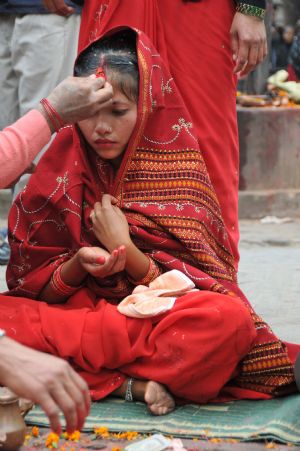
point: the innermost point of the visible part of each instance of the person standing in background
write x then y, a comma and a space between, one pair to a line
281, 46
294, 56
37, 51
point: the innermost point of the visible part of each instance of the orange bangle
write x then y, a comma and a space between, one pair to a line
153, 273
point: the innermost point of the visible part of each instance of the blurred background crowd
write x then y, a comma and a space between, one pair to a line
283, 28
285, 41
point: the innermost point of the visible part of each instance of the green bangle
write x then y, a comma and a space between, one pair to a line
251, 10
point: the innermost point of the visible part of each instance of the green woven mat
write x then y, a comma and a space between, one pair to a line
276, 419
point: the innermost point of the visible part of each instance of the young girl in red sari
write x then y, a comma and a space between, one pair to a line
132, 200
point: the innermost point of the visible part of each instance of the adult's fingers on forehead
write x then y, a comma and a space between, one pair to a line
96, 83
102, 99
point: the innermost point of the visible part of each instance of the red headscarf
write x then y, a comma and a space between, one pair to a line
193, 39
165, 192
162, 186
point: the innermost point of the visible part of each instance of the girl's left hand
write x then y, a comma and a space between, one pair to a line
110, 224
99, 263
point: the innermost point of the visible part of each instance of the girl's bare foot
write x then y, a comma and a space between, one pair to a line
155, 395
158, 399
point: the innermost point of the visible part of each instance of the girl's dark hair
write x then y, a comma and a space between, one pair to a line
116, 54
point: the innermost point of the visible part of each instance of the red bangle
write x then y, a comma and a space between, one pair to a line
59, 286
53, 115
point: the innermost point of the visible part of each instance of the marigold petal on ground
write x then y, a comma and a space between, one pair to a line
35, 432
270, 445
52, 440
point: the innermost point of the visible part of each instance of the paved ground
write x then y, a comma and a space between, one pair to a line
270, 273
270, 276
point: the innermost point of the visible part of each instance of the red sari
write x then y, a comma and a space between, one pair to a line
194, 40
211, 343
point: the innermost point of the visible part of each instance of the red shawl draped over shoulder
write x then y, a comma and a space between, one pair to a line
174, 215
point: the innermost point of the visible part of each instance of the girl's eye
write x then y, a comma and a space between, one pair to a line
119, 112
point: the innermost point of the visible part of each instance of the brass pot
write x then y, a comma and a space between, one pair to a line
12, 425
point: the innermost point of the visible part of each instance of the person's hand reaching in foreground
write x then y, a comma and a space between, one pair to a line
46, 380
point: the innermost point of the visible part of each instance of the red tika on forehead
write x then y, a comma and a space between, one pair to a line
100, 73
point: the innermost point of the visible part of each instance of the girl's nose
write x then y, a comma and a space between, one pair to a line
103, 128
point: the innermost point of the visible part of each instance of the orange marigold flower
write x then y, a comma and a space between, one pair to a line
116, 448
270, 445
26, 439
52, 440
74, 436
102, 431
131, 435
35, 431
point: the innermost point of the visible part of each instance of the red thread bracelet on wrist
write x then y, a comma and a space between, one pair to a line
49, 115
53, 115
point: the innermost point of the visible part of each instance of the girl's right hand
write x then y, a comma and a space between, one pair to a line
100, 263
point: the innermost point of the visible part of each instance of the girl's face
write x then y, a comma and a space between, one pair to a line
108, 132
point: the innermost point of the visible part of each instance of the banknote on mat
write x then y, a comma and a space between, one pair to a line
156, 442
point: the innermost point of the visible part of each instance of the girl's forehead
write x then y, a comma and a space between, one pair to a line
120, 98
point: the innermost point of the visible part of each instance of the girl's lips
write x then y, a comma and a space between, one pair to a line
104, 141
